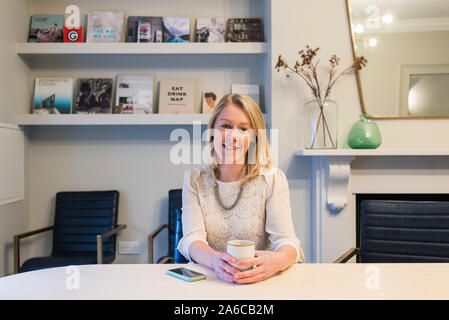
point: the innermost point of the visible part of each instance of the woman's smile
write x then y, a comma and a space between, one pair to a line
230, 147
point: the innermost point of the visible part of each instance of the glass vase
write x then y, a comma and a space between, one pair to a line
320, 127
364, 134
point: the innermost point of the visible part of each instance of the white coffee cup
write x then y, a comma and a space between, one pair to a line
241, 249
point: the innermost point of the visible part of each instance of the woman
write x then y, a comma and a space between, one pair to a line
239, 195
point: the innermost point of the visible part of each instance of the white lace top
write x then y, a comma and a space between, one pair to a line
263, 214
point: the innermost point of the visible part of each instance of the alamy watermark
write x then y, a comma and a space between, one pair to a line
228, 146
372, 280
72, 281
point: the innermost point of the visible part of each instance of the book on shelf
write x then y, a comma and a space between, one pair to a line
52, 96
244, 30
210, 100
176, 29
105, 26
93, 95
250, 90
144, 29
46, 28
176, 96
210, 29
134, 94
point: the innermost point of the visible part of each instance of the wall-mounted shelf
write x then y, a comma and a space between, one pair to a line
58, 54
29, 50
112, 119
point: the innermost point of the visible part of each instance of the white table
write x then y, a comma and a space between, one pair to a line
301, 281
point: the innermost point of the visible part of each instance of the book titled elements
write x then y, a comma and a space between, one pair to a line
105, 26
134, 94
177, 96
52, 95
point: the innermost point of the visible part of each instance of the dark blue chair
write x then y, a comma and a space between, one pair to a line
402, 231
84, 231
174, 227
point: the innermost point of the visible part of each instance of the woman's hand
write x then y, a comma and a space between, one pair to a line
267, 264
222, 268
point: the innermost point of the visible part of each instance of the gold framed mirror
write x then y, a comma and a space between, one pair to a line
407, 48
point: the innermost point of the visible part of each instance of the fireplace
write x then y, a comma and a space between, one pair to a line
338, 176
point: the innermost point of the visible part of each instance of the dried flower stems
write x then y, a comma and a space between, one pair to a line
306, 69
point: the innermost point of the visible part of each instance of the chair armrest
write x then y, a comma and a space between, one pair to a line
166, 260
151, 237
102, 236
17, 245
347, 255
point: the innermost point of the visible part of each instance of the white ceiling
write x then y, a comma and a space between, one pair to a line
403, 9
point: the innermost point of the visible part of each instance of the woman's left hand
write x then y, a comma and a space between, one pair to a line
267, 264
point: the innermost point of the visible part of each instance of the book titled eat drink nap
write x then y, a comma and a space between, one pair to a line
176, 96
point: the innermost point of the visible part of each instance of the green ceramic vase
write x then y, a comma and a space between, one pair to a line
364, 134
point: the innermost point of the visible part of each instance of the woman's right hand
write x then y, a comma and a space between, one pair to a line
222, 267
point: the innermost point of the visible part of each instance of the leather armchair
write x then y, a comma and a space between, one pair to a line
84, 231
402, 231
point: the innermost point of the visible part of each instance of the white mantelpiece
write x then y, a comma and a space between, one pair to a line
335, 163
331, 172
372, 152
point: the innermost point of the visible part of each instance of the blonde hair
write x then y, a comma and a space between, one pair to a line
264, 156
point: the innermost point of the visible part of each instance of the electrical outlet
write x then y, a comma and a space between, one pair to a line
128, 247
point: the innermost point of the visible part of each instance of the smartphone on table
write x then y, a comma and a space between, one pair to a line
186, 274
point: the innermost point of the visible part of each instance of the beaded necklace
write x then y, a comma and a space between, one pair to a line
217, 196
